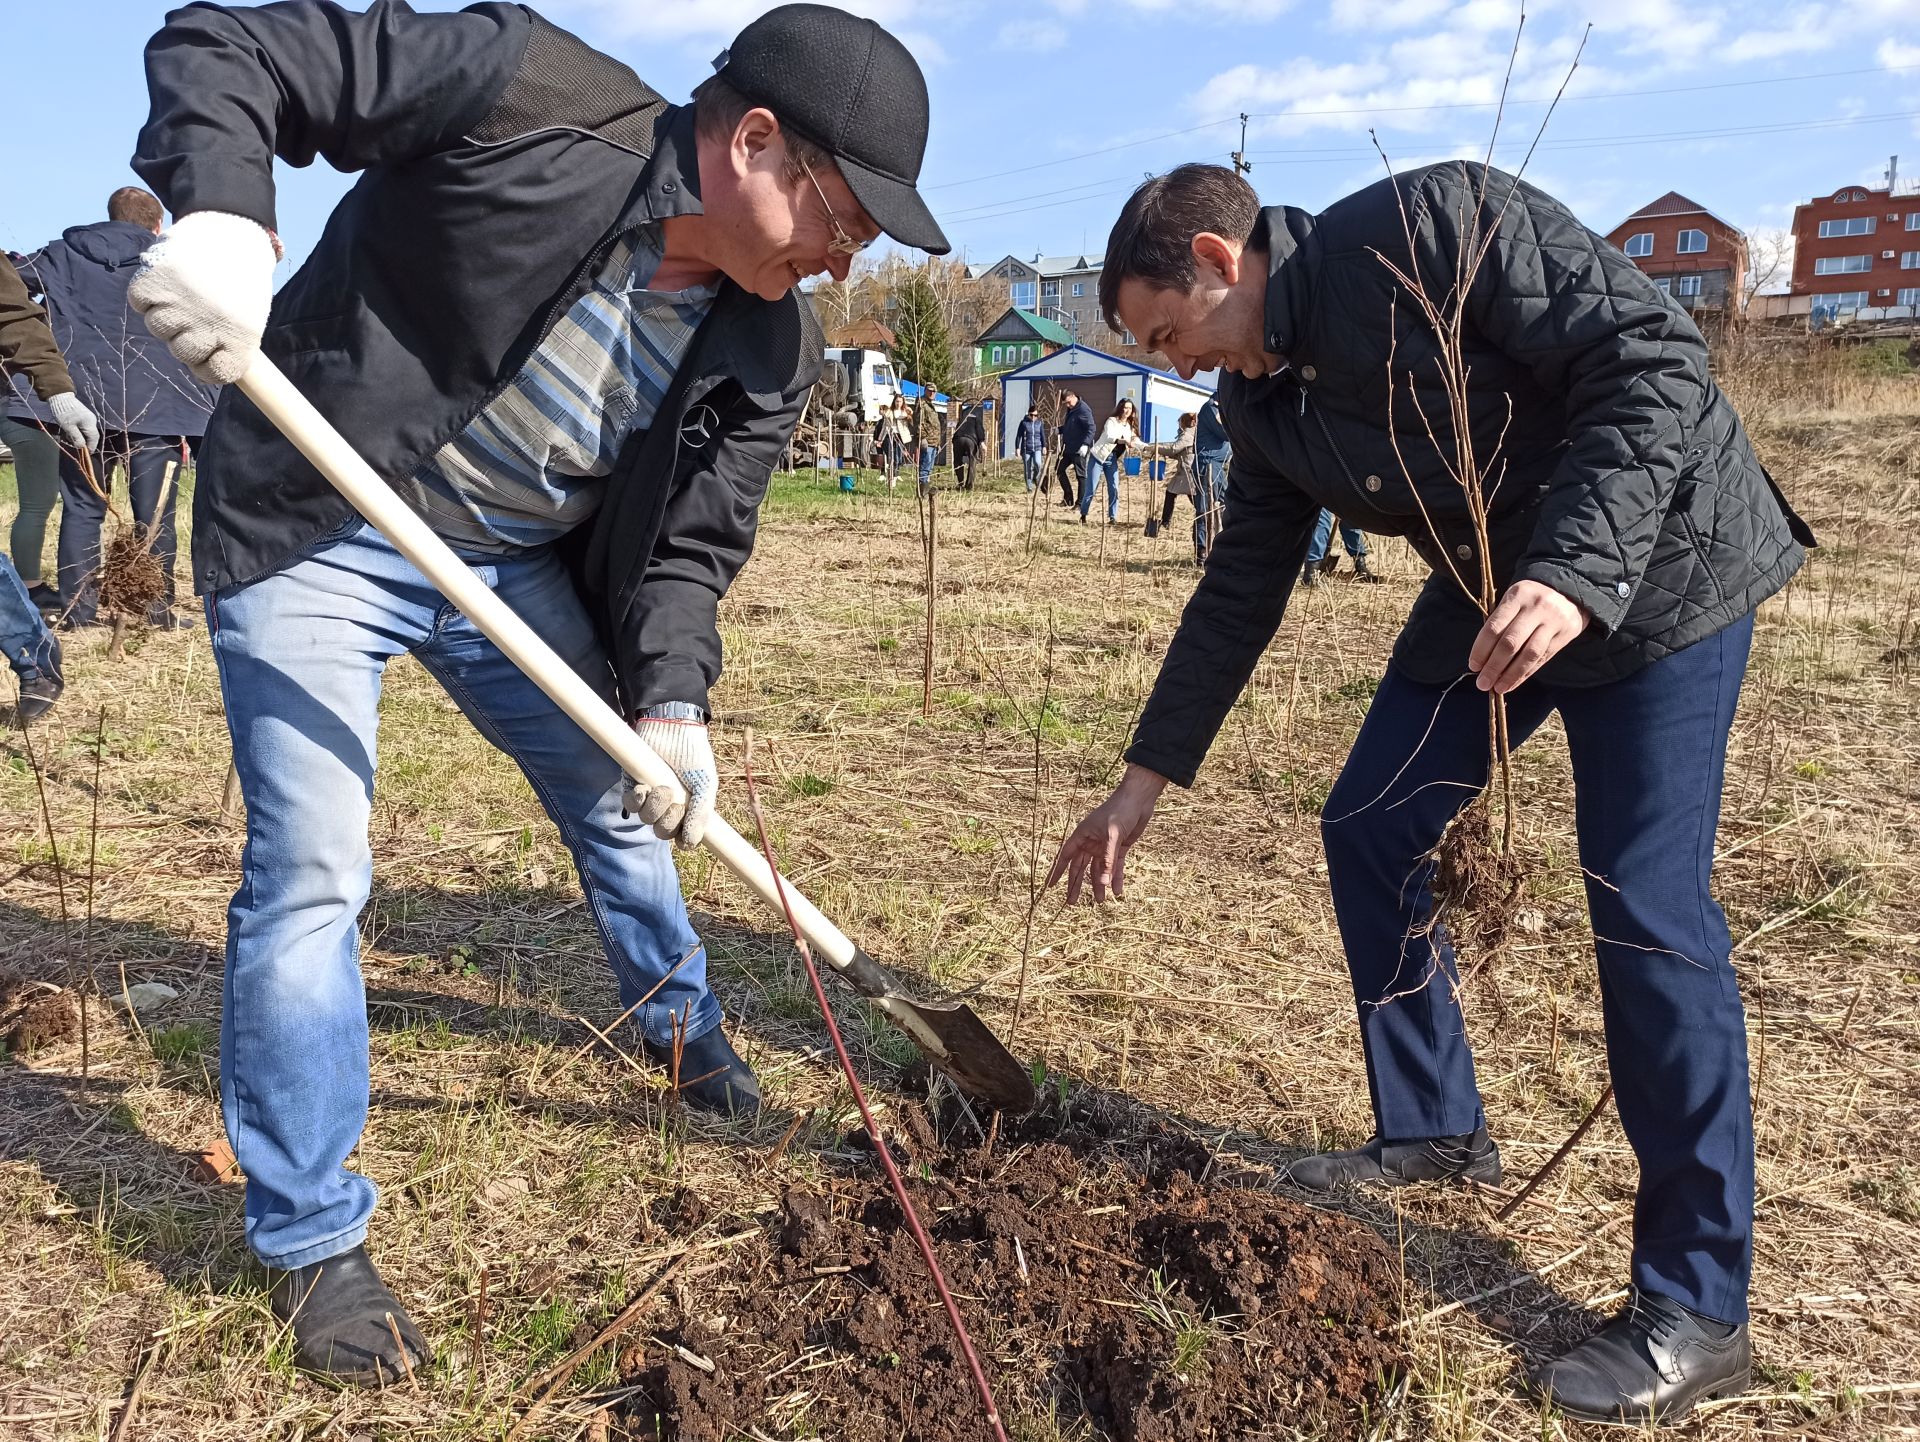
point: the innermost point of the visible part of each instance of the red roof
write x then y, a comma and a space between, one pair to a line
1674, 203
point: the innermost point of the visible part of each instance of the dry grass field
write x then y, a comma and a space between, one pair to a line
511, 1147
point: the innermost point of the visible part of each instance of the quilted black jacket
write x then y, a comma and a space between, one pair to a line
500, 159
1621, 476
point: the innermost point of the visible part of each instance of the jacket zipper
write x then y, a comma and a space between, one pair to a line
1327, 431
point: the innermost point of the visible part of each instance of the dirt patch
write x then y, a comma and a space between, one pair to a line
1103, 1293
34, 1013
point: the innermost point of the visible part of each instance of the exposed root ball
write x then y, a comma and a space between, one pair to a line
1476, 887
132, 580
33, 1014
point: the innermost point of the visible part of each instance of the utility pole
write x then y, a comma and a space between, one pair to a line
1241, 165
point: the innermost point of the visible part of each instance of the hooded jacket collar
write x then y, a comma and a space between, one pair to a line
109, 243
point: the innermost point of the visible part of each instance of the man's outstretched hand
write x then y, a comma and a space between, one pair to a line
1531, 625
1098, 846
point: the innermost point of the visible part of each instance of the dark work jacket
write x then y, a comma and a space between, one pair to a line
1032, 436
121, 370
1076, 430
502, 159
1618, 473
972, 429
1210, 442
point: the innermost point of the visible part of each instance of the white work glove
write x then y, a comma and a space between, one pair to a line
677, 732
79, 427
1083, 452
205, 290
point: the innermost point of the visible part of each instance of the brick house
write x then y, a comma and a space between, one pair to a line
1857, 248
1692, 254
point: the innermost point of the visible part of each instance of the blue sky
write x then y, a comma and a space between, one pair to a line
1046, 112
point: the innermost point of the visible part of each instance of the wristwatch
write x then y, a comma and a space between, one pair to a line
676, 711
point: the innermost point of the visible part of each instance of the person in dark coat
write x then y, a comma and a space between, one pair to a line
150, 406
1212, 454
969, 439
560, 317
1076, 440
1031, 444
1630, 538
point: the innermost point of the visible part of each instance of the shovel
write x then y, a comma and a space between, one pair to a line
950, 1036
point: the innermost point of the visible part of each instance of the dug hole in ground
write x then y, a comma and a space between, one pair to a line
1130, 1261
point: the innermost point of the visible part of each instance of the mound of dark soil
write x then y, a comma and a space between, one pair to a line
1135, 1299
33, 1014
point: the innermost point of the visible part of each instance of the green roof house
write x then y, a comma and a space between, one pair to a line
1017, 337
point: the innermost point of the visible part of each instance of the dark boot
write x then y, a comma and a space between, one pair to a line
1649, 1365
1310, 577
712, 1077
344, 1321
1153, 527
39, 691
1363, 572
1470, 1158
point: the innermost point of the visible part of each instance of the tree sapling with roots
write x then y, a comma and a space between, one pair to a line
1478, 877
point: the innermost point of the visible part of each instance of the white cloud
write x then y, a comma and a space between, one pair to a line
1678, 32
1032, 37
1812, 29
1895, 53
1378, 15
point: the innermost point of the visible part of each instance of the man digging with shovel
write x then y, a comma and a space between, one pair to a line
1632, 535
557, 315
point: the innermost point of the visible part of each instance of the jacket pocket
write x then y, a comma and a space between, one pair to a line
306, 335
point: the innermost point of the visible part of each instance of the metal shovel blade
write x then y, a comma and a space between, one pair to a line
950, 1035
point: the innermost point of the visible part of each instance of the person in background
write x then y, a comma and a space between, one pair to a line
1076, 442
892, 434
1212, 452
1031, 444
32, 354
929, 434
149, 405
969, 440
1179, 458
1115, 436
1321, 559
27, 347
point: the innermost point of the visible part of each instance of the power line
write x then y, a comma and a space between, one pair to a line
1342, 155
1407, 109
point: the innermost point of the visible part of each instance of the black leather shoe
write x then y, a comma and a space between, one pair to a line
344, 1321
1652, 1364
1363, 572
1310, 578
1469, 1158
713, 1077
38, 694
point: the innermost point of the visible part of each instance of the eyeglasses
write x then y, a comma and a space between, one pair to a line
842, 243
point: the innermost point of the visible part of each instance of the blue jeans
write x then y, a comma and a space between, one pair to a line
1209, 497
23, 635
1648, 755
927, 457
1110, 468
1030, 469
301, 654
1350, 537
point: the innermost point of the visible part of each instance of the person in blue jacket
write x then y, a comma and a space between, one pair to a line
1031, 443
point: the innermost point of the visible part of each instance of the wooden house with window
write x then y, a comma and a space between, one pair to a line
1696, 257
1017, 337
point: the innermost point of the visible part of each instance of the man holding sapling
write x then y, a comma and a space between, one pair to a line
559, 315
1631, 535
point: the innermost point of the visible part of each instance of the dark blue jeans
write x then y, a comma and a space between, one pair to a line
1648, 753
150, 490
23, 635
1350, 537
